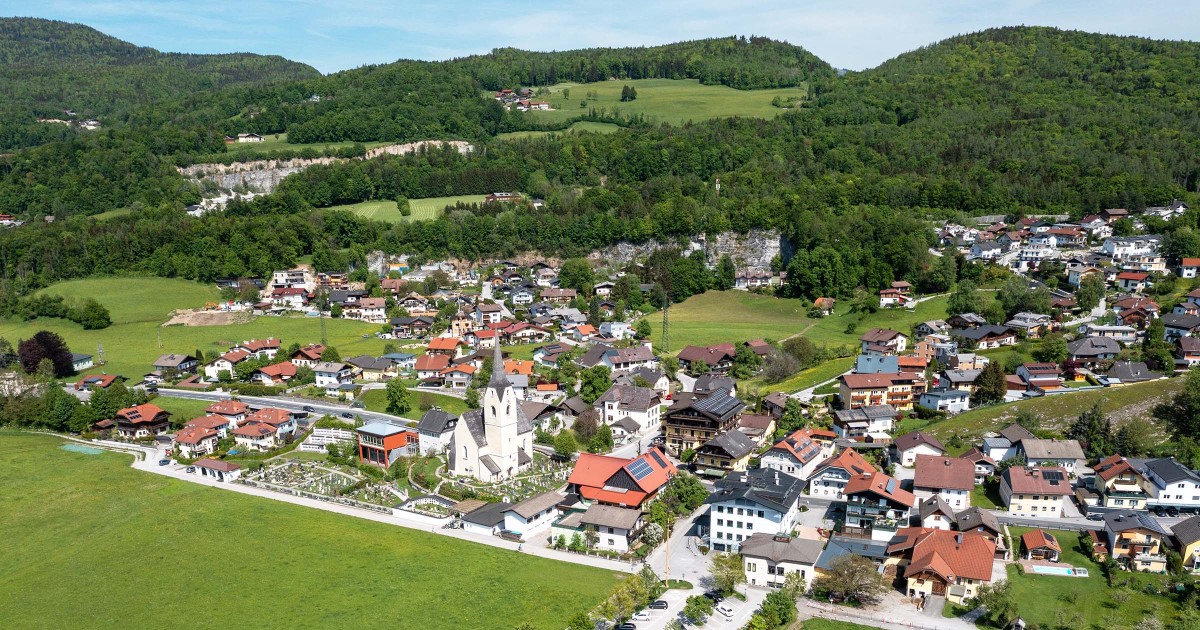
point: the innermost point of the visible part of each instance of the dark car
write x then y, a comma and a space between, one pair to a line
164, 462
309, 409
658, 604
714, 596
348, 415
1158, 511
191, 469
1172, 511
627, 626
1095, 516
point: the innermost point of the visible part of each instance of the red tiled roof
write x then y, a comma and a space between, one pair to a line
258, 345
1133, 275
518, 367
287, 369
877, 483
944, 473
235, 356
432, 363
271, 416
1037, 539
444, 343
254, 430
592, 473
850, 461
216, 464
312, 352
949, 554
227, 407
141, 413
1112, 466
1030, 480
1190, 262
192, 434
96, 380
208, 422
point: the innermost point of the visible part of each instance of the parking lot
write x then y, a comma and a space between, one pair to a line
675, 598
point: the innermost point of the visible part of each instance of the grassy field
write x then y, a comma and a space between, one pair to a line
376, 400
182, 408
807, 378
665, 100
1060, 409
422, 209
1040, 598
719, 316
111, 214
582, 126
156, 550
140, 305
830, 624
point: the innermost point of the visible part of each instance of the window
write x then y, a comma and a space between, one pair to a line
761, 514
751, 567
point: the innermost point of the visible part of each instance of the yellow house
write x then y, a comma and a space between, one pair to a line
1135, 540
1187, 539
729, 451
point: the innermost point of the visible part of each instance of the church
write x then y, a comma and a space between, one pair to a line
495, 442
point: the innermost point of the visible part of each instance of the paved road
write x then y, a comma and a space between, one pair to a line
148, 462
291, 405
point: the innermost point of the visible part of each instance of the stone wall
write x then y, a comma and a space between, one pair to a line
753, 249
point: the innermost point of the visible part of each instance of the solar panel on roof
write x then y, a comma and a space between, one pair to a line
1048, 538
1052, 475
891, 486
658, 459
640, 469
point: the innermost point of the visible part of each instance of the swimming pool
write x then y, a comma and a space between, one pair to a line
1067, 571
79, 448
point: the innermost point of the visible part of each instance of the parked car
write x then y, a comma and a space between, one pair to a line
627, 626
726, 610
308, 409
1095, 516
640, 615
714, 596
658, 604
191, 469
164, 462
348, 415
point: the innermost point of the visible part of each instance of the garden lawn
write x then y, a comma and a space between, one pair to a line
674, 101
722, 316
831, 624
156, 550
1039, 597
140, 305
376, 400
578, 127
422, 209
808, 378
182, 409
1059, 409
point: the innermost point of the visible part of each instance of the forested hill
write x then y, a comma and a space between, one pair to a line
48, 66
1054, 119
739, 62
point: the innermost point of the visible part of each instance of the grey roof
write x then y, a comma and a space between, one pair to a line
734, 443
498, 381
436, 421
866, 413
934, 505
381, 429
1015, 433
974, 518
490, 515
1122, 521
718, 405
575, 404
840, 546
1187, 532
489, 463
474, 420
762, 486
523, 457
626, 377
593, 355
536, 504
1093, 347
915, 438
947, 393
172, 360
326, 366
1039, 450
628, 424
1170, 470
709, 383
611, 516
1132, 372
629, 397
996, 442
630, 355
1181, 321
980, 332
368, 362
782, 548
962, 376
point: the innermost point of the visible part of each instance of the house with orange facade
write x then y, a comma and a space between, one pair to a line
382, 444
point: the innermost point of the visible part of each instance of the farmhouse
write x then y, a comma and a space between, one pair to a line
141, 421
619, 481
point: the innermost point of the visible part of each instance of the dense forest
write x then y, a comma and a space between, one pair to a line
47, 67
1007, 121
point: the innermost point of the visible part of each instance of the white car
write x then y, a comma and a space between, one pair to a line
641, 615
726, 610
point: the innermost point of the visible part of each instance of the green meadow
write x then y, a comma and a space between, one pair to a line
91, 542
664, 100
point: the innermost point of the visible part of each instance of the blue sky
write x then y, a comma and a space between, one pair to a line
336, 35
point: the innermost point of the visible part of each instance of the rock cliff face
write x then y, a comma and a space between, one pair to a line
754, 249
262, 176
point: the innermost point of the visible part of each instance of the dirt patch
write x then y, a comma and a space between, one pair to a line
207, 318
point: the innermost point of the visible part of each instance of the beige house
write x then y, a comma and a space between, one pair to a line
1035, 490
769, 558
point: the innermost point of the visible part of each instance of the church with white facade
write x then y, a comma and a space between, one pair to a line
495, 442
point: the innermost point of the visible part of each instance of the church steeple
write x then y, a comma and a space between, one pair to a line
499, 380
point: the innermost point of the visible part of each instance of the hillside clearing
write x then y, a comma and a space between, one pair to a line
664, 100
422, 209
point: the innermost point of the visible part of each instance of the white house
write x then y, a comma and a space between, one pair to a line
950, 478
768, 559
1121, 247
1063, 453
800, 453
1188, 267
1035, 491
830, 477
616, 330
949, 401
752, 501
641, 404
331, 375
225, 363
434, 431
1170, 484
532, 514
907, 447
